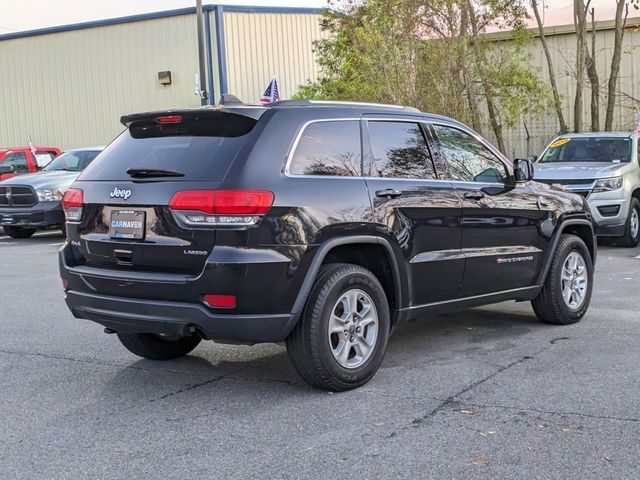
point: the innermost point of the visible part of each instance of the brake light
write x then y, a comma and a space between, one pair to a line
169, 119
72, 204
220, 301
221, 207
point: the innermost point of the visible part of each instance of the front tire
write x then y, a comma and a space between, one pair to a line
19, 232
631, 236
340, 340
155, 347
566, 294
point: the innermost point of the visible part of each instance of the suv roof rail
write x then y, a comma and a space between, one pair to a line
344, 103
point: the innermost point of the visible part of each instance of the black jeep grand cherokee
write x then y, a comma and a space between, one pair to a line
320, 224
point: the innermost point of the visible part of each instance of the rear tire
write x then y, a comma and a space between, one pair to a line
155, 347
340, 340
565, 296
19, 232
631, 236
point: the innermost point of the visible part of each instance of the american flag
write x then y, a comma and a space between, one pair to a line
271, 94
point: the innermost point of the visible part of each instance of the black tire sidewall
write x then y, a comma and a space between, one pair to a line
19, 232
633, 241
573, 245
309, 346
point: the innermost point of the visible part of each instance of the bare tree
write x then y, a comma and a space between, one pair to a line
592, 70
622, 12
494, 120
580, 21
552, 76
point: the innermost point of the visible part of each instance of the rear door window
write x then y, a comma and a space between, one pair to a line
18, 160
400, 150
200, 148
328, 148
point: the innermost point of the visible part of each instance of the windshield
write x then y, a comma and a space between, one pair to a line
588, 149
74, 161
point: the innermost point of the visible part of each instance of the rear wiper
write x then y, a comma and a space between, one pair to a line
152, 172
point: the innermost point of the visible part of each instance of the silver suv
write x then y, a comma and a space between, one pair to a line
604, 168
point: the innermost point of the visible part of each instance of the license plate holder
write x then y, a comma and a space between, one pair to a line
127, 224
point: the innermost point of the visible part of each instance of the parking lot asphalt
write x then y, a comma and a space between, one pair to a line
484, 393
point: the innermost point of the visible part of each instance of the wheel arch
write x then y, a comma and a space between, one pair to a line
582, 228
344, 249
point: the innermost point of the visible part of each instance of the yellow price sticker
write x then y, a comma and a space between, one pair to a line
560, 142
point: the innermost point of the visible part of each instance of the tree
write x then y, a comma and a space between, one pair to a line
557, 102
579, 16
622, 12
432, 54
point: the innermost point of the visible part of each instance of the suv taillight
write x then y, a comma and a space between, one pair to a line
221, 207
72, 204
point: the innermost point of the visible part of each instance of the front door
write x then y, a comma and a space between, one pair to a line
418, 212
501, 239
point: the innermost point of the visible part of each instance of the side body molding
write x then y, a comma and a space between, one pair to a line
322, 252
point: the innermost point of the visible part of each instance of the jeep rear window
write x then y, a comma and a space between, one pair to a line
328, 148
201, 148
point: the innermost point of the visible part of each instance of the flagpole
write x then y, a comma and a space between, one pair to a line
201, 60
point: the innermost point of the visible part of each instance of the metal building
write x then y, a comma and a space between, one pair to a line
68, 86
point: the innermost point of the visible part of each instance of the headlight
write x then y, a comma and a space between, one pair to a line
608, 184
49, 195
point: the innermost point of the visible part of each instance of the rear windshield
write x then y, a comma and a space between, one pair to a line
589, 149
198, 148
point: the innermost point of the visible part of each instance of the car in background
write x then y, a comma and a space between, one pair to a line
21, 160
32, 202
604, 168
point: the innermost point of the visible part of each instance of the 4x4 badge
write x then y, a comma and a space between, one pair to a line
120, 193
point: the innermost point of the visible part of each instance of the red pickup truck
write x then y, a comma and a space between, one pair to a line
19, 160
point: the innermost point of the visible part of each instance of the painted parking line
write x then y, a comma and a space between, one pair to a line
8, 243
58, 244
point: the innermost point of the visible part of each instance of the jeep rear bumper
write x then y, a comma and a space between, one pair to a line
175, 318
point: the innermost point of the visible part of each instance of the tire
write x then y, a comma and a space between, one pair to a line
154, 347
19, 232
631, 236
315, 353
550, 305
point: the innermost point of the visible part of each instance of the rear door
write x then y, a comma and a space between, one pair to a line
127, 222
418, 211
501, 235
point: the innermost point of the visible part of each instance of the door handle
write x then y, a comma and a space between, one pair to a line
389, 193
473, 195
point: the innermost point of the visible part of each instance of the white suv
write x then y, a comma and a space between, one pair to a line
604, 168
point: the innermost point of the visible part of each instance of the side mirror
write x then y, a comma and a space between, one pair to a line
4, 169
522, 170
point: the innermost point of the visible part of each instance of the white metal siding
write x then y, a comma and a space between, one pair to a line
70, 88
260, 45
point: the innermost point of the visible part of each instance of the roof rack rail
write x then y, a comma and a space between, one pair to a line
344, 103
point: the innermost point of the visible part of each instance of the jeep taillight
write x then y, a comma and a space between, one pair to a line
72, 204
221, 207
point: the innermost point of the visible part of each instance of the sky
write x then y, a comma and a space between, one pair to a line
19, 15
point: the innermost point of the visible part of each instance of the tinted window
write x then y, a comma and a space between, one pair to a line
469, 159
18, 160
589, 149
328, 148
400, 150
199, 148
74, 161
